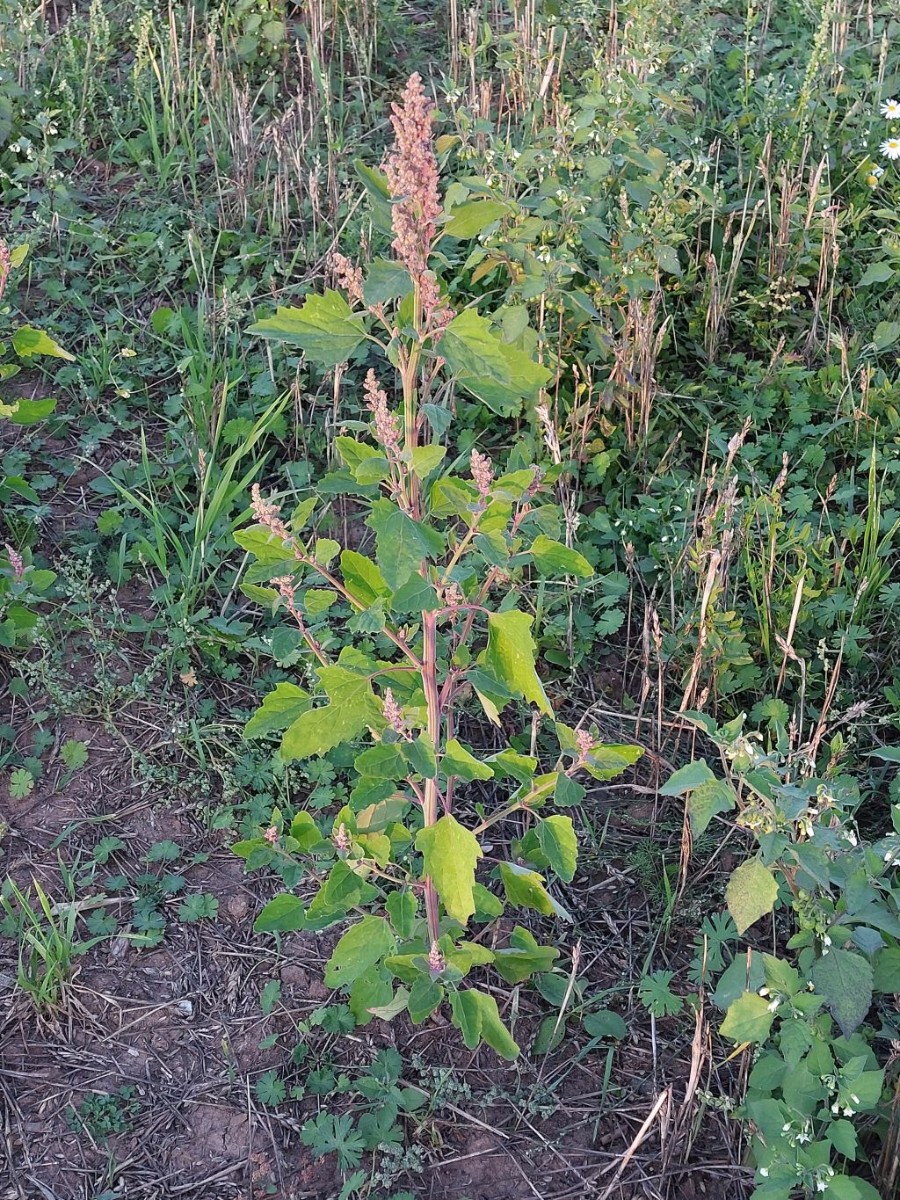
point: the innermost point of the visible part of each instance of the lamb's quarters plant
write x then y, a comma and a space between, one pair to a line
816, 1085
433, 623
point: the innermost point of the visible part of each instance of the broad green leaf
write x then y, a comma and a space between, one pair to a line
384, 761
554, 559
877, 272
417, 595
842, 1136
467, 220
373, 989
361, 947
523, 957
402, 543
748, 1019
325, 550
279, 709
401, 908
29, 412
886, 334
887, 971
500, 375
18, 254
284, 914
477, 1017
362, 579
262, 544
704, 802
341, 891
451, 853
353, 705
845, 980
463, 764
426, 458
607, 762
27, 341
751, 893
421, 756
526, 889
325, 329
510, 657
686, 778
847, 1187
385, 281
556, 837
604, 1024
424, 997
305, 831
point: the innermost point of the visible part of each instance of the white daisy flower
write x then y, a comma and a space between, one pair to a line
891, 110
890, 148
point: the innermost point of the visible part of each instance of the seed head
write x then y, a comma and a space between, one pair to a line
16, 562
436, 960
482, 473
5, 264
387, 424
349, 277
268, 514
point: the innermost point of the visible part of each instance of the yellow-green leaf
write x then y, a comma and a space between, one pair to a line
750, 894
451, 853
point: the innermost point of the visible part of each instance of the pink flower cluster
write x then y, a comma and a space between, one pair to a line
412, 174
387, 424
482, 473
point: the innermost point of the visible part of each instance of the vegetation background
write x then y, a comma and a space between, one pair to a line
687, 215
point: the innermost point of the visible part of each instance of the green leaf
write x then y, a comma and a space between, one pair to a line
279, 709
500, 375
385, 281
526, 889
686, 778
29, 412
363, 580
748, 1019
842, 1136
451, 853
284, 914
401, 908
606, 762
426, 459
27, 341
510, 656
846, 1187
523, 957
556, 837
706, 801
270, 1088
421, 756
877, 272
402, 543
424, 997
196, 907
460, 762
657, 996
605, 1024
353, 705
360, 948
269, 996
887, 971
371, 989
477, 1017
846, 981
553, 559
886, 334
750, 894
469, 219
74, 754
325, 329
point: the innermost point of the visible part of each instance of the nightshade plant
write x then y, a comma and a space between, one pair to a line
434, 624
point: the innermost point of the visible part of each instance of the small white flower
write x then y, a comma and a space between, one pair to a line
786, 1128
821, 1186
855, 1099
891, 110
827, 940
890, 148
773, 1005
764, 1171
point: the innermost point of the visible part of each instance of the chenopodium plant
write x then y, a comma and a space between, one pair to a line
434, 625
816, 1083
